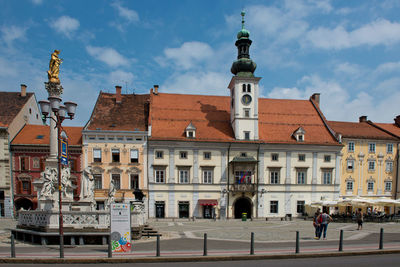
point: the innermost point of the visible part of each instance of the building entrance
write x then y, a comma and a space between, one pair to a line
160, 209
24, 203
242, 205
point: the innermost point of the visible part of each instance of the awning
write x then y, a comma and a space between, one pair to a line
208, 202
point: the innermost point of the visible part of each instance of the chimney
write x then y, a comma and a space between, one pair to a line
23, 90
363, 119
156, 89
118, 98
315, 97
397, 120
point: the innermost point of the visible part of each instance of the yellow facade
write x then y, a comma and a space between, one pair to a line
368, 168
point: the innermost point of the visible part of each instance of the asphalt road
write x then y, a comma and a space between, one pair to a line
386, 260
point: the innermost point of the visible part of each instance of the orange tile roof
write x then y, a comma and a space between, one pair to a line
10, 105
129, 115
390, 127
40, 135
361, 130
170, 114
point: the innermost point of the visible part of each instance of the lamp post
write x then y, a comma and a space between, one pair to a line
58, 114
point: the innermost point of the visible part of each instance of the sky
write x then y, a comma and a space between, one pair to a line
348, 51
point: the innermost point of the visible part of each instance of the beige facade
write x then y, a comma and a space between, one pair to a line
117, 156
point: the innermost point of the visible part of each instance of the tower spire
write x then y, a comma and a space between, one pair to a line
243, 66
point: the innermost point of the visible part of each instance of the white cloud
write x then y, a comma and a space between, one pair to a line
126, 13
348, 69
121, 77
212, 83
188, 55
388, 67
65, 25
11, 33
379, 32
107, 55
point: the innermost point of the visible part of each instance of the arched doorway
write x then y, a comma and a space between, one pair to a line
24, 203
242, 205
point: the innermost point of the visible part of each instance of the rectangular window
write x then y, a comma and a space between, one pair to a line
389, 166
275, 157
36, 163
183, 154
26, 186
371, 147
207, 176
350, 147
327, 177
207, 155
388, 186
301, 176
274, 177
134, 156
349, 186
97, 155
273, 206
159, 154
116, 180
370, 186
24, 163
98, 183
246, 112
246, 135
160, 176
300, 206
389, 148
243, 177
302, 157
115, 154
327, 158
184, 176
134, 181
371, 165
350, 164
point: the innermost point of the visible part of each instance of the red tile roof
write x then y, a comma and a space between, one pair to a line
40, 135
129, 115
11, 104
390, 127
361, 130
278, 119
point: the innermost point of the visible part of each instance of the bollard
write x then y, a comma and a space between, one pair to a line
297, 242
109, 247
381, 239
252, 244
205, 245
341, 241
158, 246
12, 245
61, 246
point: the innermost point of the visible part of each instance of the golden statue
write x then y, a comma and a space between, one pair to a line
54, 67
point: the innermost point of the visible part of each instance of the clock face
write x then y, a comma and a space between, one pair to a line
246, 99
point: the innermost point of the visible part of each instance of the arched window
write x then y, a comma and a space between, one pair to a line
244, 88
249, 88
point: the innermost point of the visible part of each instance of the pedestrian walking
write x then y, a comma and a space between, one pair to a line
315, 223
360, 219
323, 220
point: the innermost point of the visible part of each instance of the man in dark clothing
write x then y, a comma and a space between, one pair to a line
315, 223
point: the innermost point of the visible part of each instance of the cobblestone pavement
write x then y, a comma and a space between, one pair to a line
236, 230
266, 231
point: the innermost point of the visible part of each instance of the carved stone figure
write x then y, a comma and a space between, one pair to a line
54, 67
49, 178
111, 194
87, 184
67, 187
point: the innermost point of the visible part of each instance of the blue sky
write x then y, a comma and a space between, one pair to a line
349, 51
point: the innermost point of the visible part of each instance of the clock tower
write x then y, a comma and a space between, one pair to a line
244, 90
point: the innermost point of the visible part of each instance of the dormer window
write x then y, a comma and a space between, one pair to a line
299, 134
190, 131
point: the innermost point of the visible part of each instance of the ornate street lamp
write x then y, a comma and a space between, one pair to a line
60, 114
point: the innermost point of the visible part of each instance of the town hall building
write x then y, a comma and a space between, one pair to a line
222, 156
